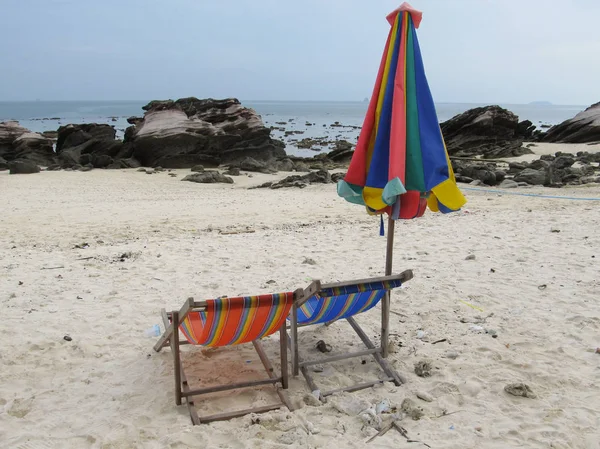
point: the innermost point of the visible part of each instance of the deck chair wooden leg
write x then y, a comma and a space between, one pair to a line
387, 369
294, 340
283, 348
176, 357
385, 324
271, 372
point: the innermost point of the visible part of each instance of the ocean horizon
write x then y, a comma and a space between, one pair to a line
310, 118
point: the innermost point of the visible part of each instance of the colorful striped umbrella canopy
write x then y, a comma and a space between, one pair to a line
400, 164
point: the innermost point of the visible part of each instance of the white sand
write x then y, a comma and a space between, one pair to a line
108, 389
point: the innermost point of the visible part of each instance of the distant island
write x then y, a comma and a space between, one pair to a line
540, 103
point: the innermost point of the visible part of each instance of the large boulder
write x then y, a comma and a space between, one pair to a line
18, 143
207, 132
342, 151
208, 177
22, 167
490, 131
531, 176
93, 143
583, 128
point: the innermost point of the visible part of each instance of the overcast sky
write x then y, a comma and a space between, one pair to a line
486, 51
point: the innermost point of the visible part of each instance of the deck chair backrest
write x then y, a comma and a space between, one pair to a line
331, 304
232, 321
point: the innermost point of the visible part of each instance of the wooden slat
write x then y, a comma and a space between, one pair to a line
398, 380
336, 358
357, 386
309, 380
216, 388
230, 415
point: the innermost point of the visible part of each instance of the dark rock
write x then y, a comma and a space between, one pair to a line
186, 161
251, 164
222, 131
90, 143
54, 167
22, 167
87, 167
301, 181
490, 131
101, 161
284, 165
508, 184
135, 120
233, 171
208, 177
197, 168
74, 135
583, 128
563, 162
336, 177
483, 172
342, 151
531, 176
525, 129
464, 179
500, 176
3, 164
301, 167
539, 164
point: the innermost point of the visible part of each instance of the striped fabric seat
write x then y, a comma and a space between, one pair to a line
231, 321
336, 303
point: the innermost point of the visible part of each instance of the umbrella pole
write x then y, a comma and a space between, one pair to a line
385, 305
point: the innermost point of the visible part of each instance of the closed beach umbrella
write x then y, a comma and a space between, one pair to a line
400, 165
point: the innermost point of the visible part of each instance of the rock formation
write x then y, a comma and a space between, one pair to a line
583, 128
189, 131
490, 131
18, 143
92, 145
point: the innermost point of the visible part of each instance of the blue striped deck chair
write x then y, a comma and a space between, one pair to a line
327, 303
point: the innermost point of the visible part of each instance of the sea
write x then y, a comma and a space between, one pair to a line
312, 119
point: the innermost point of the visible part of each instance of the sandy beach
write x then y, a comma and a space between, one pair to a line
95, 256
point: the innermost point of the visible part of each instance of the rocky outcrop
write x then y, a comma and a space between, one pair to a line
489, 131
583, 128
94, 144
301, 181
18, 143
208, 177
189, 131
22, 167
550, 171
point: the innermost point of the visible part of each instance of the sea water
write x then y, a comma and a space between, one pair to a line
310, 118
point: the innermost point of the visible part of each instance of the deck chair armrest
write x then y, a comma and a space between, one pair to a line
302, 295
170, 329
405, 276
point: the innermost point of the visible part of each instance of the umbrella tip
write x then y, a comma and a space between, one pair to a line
415, 14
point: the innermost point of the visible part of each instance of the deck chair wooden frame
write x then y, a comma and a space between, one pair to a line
300, 365
182, 389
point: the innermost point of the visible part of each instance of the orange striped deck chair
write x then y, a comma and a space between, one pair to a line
328, 303
225, 322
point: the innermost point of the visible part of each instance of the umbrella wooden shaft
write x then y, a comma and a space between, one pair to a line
385, 305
